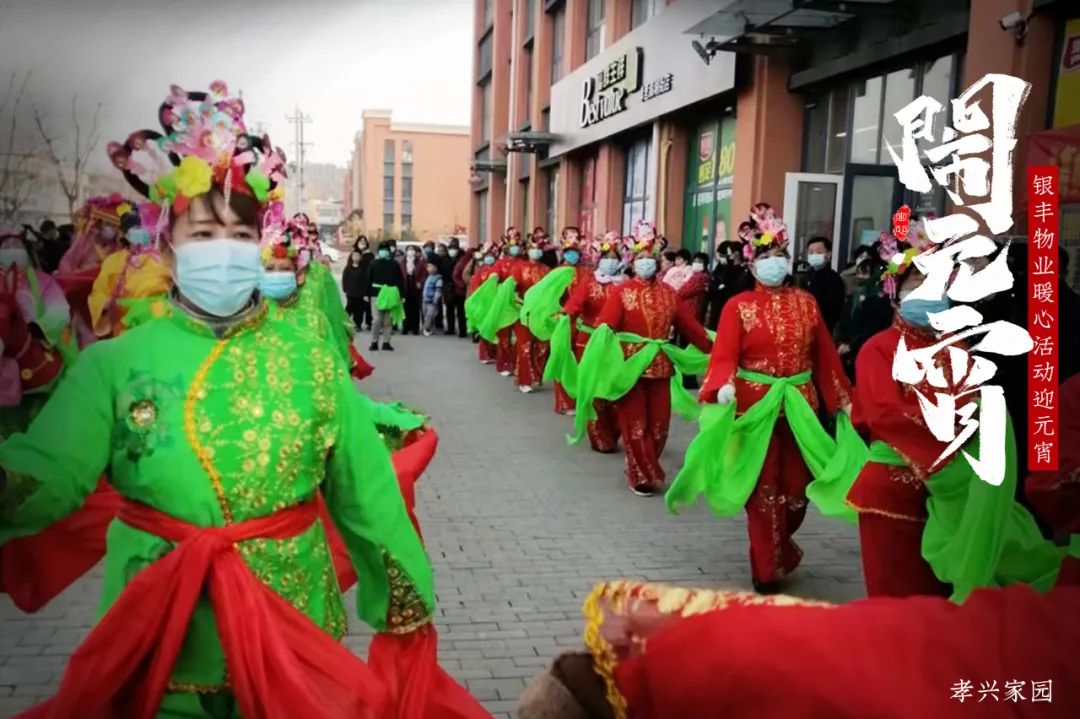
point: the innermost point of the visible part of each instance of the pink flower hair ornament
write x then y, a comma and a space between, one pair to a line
763, 229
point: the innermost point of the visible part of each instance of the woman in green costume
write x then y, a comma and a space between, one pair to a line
218, 425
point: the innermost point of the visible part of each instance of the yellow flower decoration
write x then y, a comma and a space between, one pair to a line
193, 177
123, 209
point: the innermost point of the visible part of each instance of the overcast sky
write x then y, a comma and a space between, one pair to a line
332, 57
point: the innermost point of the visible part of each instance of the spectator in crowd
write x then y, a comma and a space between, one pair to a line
386, 276
866, 311
356, 283
730, 277
458, 289
863, 254
667, 262
693, 293
414, 270
679, 273
448, 255
362, 245
824, 283
433, 297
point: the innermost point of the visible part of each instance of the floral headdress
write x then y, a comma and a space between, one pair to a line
570, 239
644, 240
538, 239
611, 241
204, 144
279, 239
105, 209
763, 229
898, 256
512, 236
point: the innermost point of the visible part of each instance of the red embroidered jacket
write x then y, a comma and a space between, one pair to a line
587, 297
652, 309
778, 332
889, 411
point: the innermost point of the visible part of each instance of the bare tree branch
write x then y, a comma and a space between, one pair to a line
71, 186
17, 180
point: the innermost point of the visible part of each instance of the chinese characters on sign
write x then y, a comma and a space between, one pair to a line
1043, 316
657, 87
1012, 691
972, 161
607, 93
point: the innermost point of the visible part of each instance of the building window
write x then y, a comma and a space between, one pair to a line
388, 186
530, 19
483, 63
481, 217
594, 29
637, 205
587, 198
866, 120
558, 43
406, 152
388, 223
640, 11
388, 156
489, 12
485, 112
528, 62
552, 197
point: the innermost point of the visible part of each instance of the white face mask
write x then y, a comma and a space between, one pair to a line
218, 276
14, 256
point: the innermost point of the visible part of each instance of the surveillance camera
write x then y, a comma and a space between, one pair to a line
703, 53
1011, 21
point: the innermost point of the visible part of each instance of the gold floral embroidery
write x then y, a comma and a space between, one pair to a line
884, 513
748, 316
407, 611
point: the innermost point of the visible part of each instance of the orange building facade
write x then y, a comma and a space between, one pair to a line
598, 113
409, 180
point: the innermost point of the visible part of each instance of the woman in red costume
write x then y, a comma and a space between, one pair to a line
650, 309
662, 652
530, 354
489, 257
571, 257
891, 499
588, 296
506, 267
770, 335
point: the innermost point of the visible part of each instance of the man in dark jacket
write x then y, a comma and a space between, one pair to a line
385, 272
460, 288
730, 277
824, 283
448, 257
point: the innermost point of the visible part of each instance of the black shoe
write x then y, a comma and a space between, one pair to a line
476, 339
386, 346
374, 347
463, 336
772, 587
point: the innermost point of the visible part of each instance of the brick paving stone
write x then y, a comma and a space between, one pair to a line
519, 527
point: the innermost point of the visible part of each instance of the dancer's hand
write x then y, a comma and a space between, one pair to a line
846, 409
726, 395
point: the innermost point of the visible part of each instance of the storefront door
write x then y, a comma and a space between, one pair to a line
872, 193
812, 209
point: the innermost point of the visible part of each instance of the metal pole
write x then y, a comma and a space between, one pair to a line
298, 120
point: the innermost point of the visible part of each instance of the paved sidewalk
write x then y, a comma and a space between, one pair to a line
519, 527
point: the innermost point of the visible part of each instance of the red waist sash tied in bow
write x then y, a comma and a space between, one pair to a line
280, 663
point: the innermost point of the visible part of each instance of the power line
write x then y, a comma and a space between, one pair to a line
298, 120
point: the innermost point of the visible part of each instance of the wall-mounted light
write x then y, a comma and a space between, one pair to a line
707, 51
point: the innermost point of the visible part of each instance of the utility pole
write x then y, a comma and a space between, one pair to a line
298, 120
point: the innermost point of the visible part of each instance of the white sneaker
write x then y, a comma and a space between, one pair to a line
525, 389
570, 412
428, 333
505, 373
487, 361
642, 492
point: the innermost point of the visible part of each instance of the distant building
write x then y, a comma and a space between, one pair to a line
327, 215
408, 179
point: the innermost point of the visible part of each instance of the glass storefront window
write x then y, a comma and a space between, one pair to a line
899, 91
937, 82
817, 135
636, 200
481, 219
587, 198
552, 197
836, 152
866, 121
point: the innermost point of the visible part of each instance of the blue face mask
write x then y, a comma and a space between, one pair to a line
278, 285
610, 266
645, 268
916, 312
816, 261
571, 257
14, 256
138, 237
489, 260
535, 254
384, 254
771, 271
218, 276
514, 250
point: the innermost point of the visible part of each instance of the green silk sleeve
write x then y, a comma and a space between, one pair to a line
341, 327
49, 469
396, 590
543, 302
